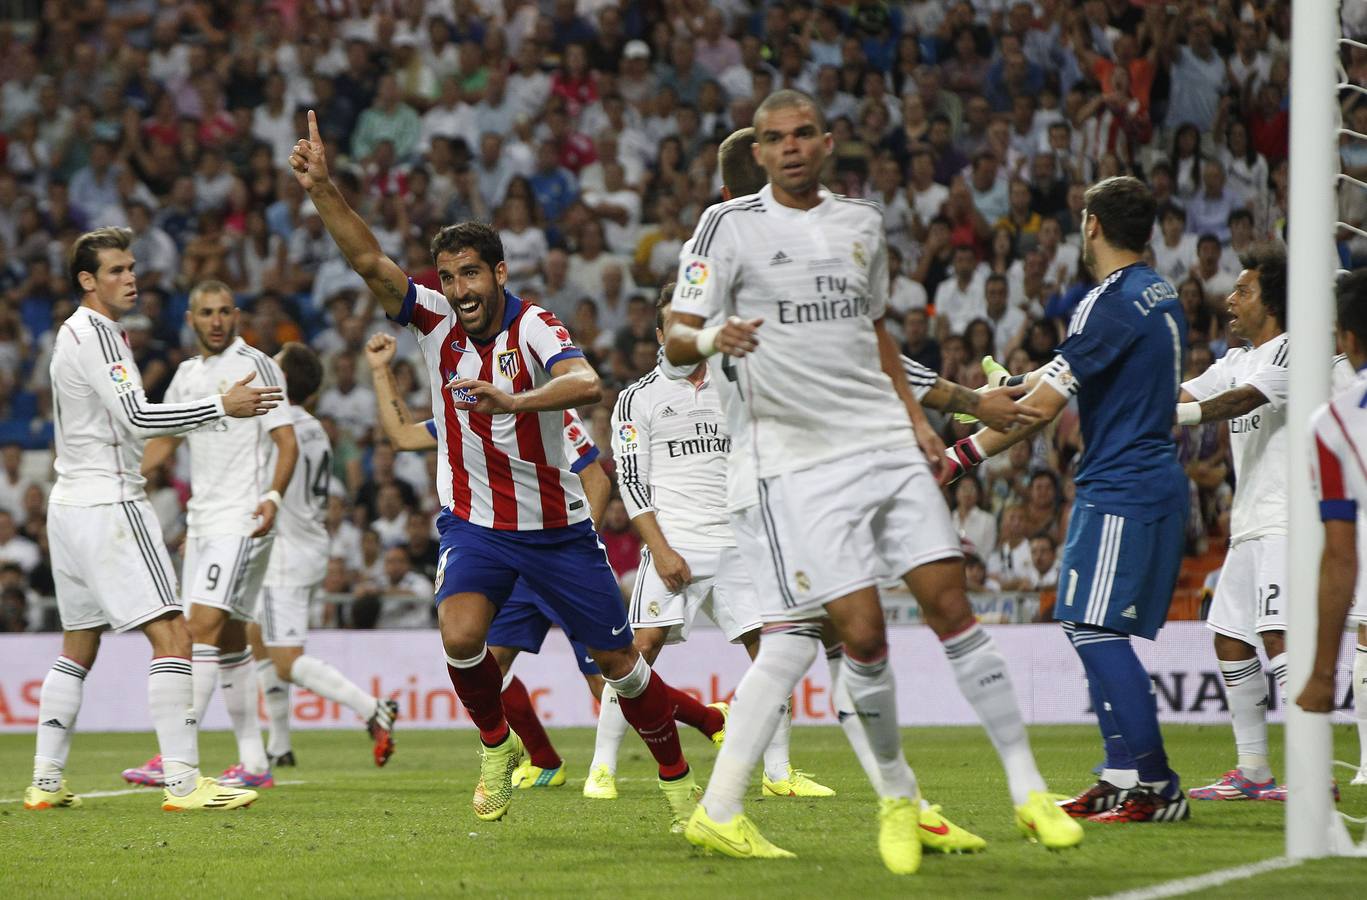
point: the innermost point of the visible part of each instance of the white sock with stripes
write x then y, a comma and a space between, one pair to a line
874, 693
204, 668
170, 692
1360, 701
1246, 693
784, 657
1277, 665
612, 728
313, 674
849, 719
985, 683
58, 704
276, 693
238, 678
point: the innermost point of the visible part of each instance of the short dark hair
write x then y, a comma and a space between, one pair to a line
1171, 209
1207, 238
1124, 207
787, 99
995, 277
662, 303
1238, 214
477, 236
85, 252
1352, 304
739, 171
303, 371
1269, 261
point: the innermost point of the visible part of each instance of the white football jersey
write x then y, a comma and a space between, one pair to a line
741, 489
1258, 439
813, 390
230, 460
671, 443
102, 417
299, 557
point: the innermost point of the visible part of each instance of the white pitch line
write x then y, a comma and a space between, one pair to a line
125, 792
1209, 880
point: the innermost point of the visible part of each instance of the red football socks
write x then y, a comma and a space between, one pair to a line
478, 688
522, 718
652, 715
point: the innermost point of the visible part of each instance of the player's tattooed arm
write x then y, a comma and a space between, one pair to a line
354, 238
1232, 404
996, 408
395, 417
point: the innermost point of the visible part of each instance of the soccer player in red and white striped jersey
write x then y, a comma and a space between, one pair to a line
502, 371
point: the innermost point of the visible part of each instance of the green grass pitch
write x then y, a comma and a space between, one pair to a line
349, 829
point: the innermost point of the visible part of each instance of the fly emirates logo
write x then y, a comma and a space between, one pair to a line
831, 304
707, 439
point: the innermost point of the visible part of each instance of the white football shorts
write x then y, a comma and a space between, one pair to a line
721, 587
110, 565
823, 532
225, 572
283, 613
1250, 595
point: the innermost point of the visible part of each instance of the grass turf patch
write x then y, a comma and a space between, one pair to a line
407, 829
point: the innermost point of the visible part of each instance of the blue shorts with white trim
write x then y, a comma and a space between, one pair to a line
1118, 572
566, 568
523, 622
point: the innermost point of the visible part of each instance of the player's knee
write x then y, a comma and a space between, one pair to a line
616, 664
866, 643
1274, 642
649, 641
462, 645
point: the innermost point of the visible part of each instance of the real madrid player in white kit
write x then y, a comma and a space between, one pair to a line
846, 491
671, 442
1340, 470
109, 561
238, 472
1247, 387
298, 562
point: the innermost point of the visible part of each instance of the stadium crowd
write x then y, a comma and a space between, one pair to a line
588, 133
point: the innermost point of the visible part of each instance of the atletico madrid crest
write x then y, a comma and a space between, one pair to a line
509, 364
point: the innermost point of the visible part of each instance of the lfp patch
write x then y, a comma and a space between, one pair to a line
117, 373
627, 433
695, 273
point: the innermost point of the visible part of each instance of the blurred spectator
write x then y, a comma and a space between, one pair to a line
14, 547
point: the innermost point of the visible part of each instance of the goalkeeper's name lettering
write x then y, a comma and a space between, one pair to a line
790, 313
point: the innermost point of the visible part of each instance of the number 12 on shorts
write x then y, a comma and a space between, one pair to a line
1265, 598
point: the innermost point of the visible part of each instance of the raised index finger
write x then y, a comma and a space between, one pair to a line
314, 137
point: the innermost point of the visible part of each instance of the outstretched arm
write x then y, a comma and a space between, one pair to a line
354, 238
1228, 404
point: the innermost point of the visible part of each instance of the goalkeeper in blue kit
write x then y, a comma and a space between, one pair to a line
1122, 361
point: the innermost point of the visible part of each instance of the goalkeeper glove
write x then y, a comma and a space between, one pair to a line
964, 455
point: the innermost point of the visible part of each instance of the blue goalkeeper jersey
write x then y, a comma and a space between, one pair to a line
1125, 348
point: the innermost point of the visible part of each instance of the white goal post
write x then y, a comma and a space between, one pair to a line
1312, 212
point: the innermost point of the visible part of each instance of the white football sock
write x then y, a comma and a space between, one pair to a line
313, 674
276, 692
776, 760
170, 694
783, 658
985, 683
237, 676
1360, 701
612, 728
849, 720
204, 666
59, 702
1246, 693
874, 693
1277, 665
